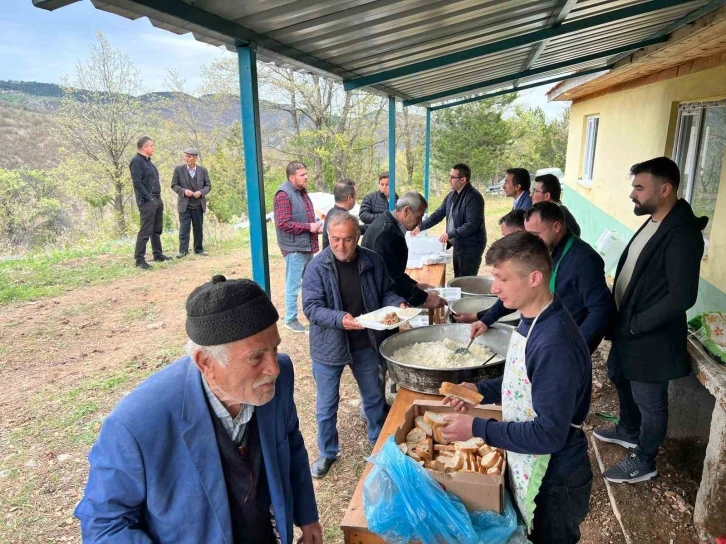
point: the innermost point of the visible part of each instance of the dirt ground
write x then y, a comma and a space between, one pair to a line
65, 362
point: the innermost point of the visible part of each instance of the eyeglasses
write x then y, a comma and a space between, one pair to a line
456, 177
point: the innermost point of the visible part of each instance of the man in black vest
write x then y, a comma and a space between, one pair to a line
655, 284
463, 209
145, 178
297, 235
387, 237
191, 182
377, 202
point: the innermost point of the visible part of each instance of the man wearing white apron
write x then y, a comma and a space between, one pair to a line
545, 396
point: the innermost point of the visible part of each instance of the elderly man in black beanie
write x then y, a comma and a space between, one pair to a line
209, 448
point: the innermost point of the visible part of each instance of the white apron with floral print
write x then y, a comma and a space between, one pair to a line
525, 470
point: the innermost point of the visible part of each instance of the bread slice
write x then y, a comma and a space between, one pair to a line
484, 450
423, 454
460, 392
413, 455
490, 459
478, 441
425, 427
435, 418
416, 435
442, 447
403, 447
467, 447
438, 438
494, 470
455, 463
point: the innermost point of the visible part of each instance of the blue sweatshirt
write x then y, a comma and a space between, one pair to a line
580, 285
558, 366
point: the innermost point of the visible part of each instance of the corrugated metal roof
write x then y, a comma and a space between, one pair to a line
350, 39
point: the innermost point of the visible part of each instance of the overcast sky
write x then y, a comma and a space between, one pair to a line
39, 45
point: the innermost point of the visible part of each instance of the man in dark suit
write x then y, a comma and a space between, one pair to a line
547, 188
655, 284
516, 185
387, 237
463, 209
145, 178
191, 183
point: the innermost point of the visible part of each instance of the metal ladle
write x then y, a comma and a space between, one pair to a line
465, 351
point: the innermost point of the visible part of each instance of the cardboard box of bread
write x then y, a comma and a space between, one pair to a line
471, 470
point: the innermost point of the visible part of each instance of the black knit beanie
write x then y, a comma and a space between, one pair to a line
221, 311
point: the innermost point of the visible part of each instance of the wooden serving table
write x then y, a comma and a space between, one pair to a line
433, 274
354, 524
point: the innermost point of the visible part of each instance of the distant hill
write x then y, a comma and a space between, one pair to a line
27, 109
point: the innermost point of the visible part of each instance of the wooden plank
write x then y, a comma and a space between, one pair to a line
354, 524
433, 274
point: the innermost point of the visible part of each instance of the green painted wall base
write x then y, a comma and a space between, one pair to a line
593, 221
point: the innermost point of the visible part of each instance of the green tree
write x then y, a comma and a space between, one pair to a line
99, 125
31, 208
536, 141
476, 134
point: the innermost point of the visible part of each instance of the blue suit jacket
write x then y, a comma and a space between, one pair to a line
525, 202
156, 474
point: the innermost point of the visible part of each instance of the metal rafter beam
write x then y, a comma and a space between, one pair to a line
533, 72
273, 48
510, 43
521, 88
51, 5
559, 14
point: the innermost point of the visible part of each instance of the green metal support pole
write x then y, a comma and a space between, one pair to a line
427, 154
392, 152
247, 60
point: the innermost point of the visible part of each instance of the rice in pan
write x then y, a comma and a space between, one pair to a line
442, 354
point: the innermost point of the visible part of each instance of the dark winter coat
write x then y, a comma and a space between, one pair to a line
323, 305
649, 328
384, 236
374, 204
464, 213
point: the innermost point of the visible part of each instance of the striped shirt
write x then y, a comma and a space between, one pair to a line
235, 427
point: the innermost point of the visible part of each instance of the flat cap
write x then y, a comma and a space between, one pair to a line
191, 151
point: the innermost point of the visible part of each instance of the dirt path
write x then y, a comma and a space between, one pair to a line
65, 362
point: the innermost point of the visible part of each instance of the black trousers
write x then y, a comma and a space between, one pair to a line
467, 264
561, 505
193, 217
643, 410
151, 225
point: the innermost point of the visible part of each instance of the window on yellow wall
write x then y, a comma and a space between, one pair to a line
593, 121
699, 151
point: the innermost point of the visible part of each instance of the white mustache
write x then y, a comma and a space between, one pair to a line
264, 381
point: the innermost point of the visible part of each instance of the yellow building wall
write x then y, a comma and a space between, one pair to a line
635, 125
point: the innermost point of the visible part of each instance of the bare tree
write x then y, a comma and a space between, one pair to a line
99, 119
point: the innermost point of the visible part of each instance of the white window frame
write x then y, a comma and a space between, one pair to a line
695, 110
588, 164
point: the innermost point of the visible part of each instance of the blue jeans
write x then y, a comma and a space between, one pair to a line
365, 370
643, 410
295, 264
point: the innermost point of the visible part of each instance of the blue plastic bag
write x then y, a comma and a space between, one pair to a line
402, 502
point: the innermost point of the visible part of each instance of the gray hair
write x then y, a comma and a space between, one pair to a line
341, 216
413, 200
219, 353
